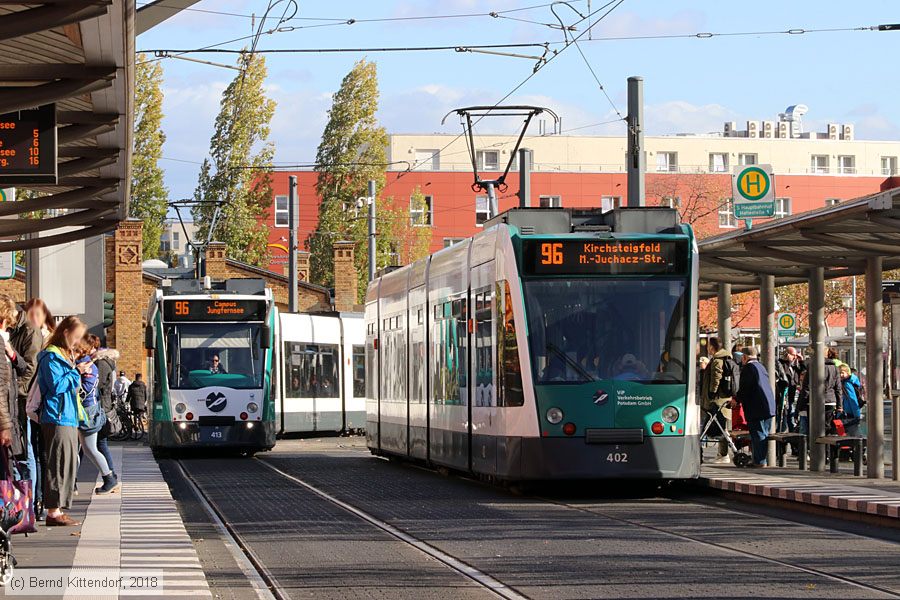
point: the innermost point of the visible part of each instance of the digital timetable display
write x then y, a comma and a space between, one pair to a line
214, 310
605, 257
28, 146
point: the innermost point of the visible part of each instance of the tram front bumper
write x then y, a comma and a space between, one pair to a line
250, 435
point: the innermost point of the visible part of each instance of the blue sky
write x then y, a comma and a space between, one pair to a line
691, 85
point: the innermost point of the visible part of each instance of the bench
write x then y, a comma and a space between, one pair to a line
835, 442
797, 440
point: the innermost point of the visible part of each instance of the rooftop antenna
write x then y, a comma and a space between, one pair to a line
527, 113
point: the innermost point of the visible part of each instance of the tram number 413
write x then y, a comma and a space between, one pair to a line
617, 457
551, 254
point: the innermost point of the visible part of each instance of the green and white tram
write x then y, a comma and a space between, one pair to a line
555, 344
212, 377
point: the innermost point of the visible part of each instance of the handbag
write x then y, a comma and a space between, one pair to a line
17, 497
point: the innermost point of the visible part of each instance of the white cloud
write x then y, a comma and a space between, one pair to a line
679, 116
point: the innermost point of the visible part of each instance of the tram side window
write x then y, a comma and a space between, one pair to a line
417, 358
359, 371
509, 370
484, 350
311, 369
449, 352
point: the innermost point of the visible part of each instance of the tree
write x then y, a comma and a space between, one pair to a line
149, 196
237, 175
697, 197
352, 152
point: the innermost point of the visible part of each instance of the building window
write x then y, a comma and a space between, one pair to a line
889, 165
718, 162
667, 162
670, 201
747, 159
482, 210
281, 212
846, 165
726, 214
176, 241
423, 214
550, 201
165, 245
488, 160
451, 241
832, 201
782, 208
428, 160
818, 163
607, 203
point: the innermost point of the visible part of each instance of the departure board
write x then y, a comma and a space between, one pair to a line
605, 257
28, 146
213, 310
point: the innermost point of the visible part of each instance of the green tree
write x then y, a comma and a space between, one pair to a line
352, 151
149, 196
404, 229
237, 175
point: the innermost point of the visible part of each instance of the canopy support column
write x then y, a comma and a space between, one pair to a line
769, 341
724, 316
875, 369
816, 382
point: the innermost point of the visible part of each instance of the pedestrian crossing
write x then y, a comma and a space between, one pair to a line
139, 530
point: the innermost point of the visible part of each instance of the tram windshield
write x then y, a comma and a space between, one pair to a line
582, 330
224, 354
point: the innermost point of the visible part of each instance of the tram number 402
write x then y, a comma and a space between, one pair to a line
617, 457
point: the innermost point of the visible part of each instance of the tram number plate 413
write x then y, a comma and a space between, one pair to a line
617, 457
212, 434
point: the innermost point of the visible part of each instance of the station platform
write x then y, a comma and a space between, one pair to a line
136, 530
842, 491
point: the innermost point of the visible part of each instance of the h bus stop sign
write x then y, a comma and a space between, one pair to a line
753, 191
787, 325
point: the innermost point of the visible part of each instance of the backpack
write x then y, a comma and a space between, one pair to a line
731, 375
860, 394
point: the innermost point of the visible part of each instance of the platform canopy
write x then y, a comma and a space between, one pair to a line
838, 238
78, 54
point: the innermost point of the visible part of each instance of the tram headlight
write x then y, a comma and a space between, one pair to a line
555, 416
180, 407
670, 414
252, 407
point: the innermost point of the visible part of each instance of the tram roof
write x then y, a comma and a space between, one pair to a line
839, 238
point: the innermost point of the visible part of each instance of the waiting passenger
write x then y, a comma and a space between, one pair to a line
629, 368
849, 409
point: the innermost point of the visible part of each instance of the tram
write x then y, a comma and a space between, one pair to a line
555, 344
212, 345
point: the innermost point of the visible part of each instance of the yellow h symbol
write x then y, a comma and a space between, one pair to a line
753, 180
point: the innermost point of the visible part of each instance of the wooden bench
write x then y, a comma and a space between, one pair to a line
835, 442
797, 440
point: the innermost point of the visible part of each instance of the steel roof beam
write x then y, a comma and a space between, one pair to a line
80, 165
61, 238
73, 198
85, 117
798, 258
82, 217
763, 269
870, 248
49, 16
87, 152
21, 98
76, 133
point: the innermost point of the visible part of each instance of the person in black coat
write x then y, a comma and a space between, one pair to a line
756, 397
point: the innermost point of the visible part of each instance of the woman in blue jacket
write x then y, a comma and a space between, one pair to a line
61, 412
849, 407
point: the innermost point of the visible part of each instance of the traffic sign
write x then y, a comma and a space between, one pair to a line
7, 259
753, 191
787, 325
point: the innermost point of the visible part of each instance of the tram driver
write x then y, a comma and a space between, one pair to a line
215, 367
629, 368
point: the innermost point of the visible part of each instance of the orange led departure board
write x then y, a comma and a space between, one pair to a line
28, 146
605, 257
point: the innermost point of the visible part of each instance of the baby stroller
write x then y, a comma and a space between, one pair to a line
740, 458
10, 516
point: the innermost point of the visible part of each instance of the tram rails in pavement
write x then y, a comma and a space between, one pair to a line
555, 344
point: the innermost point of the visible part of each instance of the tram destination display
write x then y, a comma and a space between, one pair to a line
213, 310
605, 257
28, 149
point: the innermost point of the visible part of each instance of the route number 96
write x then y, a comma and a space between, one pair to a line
617, 457
551, 253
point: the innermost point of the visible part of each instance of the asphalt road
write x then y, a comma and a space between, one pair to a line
563, 542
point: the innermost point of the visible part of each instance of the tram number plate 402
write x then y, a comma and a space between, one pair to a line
212, 434
617, 457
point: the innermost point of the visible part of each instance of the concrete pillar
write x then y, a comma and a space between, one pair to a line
215, 261
345, 279
129, 301
724, 315
875, 369
769, 342
816, 367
